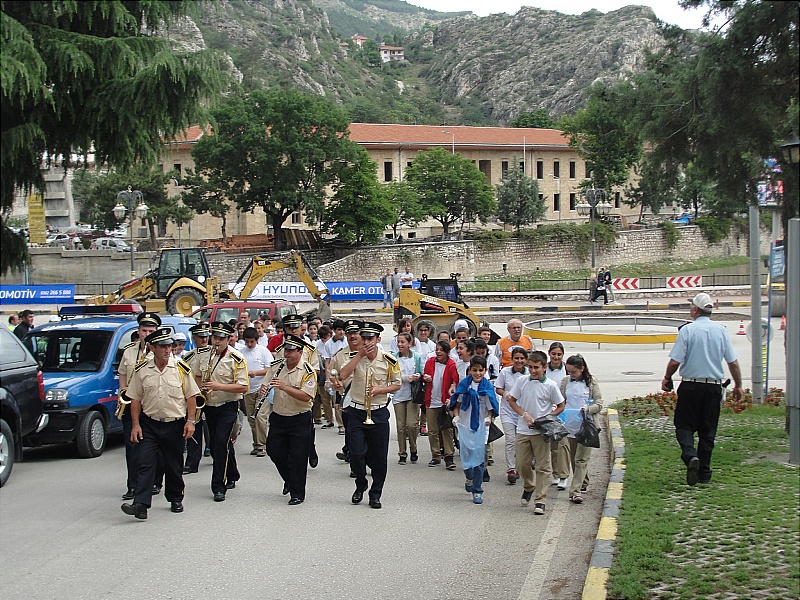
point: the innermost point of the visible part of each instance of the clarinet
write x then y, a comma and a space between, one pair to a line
265, 394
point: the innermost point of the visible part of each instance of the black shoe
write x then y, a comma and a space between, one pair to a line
414, 457
402, 460
230, 485
156, 490
526, 498
486, 476
187, 470
328, 425
176, 507
343, 456
219, 496
294, 501
129, 495
449, 464
357, 497
137, 509
374, 502
353, 475
207, 452
285, 489
313, 461
434, 462
692, 476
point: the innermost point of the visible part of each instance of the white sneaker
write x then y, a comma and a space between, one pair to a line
554, 480
562, 484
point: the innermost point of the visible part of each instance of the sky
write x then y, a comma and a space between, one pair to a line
667, 10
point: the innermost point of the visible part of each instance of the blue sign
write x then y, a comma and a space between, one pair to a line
37, 294
778, 264
344, 291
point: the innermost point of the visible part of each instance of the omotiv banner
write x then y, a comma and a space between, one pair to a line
37, 294
295, 291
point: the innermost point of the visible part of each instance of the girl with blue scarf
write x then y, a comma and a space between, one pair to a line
474, 406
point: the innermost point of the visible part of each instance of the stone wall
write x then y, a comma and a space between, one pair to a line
437, 259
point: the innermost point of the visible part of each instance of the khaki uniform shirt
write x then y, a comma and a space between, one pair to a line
131, 355
310, 355
385, 371
231, 368
163, 394
192, 358
303, 377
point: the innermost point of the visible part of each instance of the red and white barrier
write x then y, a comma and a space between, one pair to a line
625, 283
693, 281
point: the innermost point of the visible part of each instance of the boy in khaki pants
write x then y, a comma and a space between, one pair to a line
533, 398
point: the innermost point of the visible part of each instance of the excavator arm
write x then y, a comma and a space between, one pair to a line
261, 266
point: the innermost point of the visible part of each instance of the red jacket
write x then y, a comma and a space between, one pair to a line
450, 377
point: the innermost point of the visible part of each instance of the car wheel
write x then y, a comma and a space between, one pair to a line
91, 435
6, 452
183, 300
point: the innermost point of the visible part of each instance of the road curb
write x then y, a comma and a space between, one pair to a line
595, 586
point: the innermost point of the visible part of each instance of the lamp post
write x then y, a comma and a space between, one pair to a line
791, 150
594, 202
129, 196
454, 141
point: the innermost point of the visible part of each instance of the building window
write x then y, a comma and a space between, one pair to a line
161, 167
572, 198
504, 168
389, 236
485, 167
522, 166
556, 202
587, 171
541, 197
411, 235
295, 218
539, 169
387, 171
408, 164
556, 169
616, 199
177, 167
572, 169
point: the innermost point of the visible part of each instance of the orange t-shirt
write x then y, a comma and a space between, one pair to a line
505, 344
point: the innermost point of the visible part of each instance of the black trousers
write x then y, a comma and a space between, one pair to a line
194, 446
697, 410
288, 446
345, 417
369, 445
160, 440
221, 421
132, 455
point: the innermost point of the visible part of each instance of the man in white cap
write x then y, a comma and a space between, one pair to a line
699, 350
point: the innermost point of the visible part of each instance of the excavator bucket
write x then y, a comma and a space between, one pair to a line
324, 311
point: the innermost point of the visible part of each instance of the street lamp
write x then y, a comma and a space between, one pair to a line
140, 211
454, 140
594, 202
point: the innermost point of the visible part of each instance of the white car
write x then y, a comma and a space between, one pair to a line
63, 239
110, 243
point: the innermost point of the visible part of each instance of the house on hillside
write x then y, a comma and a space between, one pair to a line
359, 40
390, 53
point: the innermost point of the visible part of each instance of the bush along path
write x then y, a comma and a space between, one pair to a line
738, 537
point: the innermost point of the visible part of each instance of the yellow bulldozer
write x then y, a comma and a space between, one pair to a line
182, 281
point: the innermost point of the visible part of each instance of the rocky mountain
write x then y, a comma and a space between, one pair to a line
462, 70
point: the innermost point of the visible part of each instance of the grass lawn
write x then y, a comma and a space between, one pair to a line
736, 538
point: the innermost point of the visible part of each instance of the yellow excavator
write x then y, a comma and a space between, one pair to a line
181, 281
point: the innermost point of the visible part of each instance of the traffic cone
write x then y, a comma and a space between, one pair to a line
741, 329
783, 323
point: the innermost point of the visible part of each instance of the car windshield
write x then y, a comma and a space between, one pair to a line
70, 350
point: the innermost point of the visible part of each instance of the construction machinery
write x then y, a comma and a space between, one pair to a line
438, 301
182, 281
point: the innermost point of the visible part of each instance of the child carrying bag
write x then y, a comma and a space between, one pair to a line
589, 433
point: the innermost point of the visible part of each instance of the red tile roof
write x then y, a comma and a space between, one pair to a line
379, 134
190, 135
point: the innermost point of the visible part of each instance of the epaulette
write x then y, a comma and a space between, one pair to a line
352, 354
278, 347
129, 345
276, 362
189, 355
206, 349
142, 362
237, 358
309, 368
390, 359
184, 366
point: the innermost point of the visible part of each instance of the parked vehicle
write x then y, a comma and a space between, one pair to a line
21, 400
110, 243
80, 359
63, 239
231, 309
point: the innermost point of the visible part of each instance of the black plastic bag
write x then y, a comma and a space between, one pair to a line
589, 433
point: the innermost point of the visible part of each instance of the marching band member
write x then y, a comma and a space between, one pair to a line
194, 447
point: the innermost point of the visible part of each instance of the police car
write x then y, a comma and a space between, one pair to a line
79, 358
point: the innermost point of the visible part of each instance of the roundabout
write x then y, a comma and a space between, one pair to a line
643, 330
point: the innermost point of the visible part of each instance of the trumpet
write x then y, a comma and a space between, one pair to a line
262, 397
122, 403
368, 396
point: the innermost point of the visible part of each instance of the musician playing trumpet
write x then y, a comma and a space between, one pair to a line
294, 382
375, 374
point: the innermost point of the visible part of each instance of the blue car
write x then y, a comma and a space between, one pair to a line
79, 358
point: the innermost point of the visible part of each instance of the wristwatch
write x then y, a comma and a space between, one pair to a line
192, 421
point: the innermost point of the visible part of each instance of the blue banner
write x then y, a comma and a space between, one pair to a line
37, 294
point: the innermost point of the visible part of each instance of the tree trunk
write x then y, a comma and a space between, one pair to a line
224, 230
277, 228
153, 238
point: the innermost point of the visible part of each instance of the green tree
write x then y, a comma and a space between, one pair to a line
358, 212
370, 54
406, 205
600, 134
451, 188
80, 77
538, 119
98, 193
277, 150
518, 199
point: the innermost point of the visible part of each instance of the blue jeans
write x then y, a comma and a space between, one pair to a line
387, 298
476, 475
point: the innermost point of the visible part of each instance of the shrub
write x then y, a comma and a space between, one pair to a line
671, 235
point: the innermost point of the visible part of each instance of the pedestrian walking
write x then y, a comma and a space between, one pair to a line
25, 324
